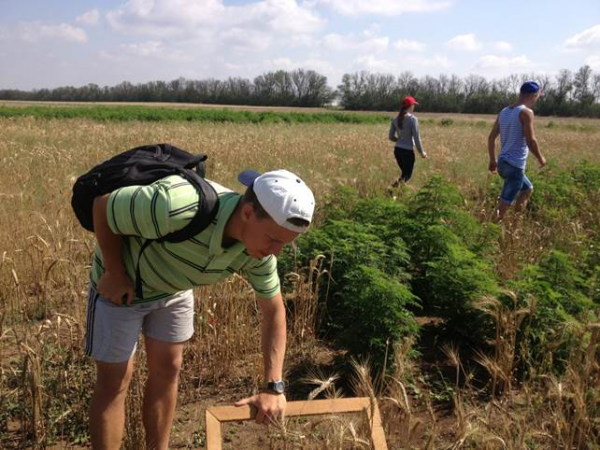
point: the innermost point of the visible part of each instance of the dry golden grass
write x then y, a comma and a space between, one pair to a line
44, 262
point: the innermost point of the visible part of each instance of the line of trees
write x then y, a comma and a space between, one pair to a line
565, 94
299, 87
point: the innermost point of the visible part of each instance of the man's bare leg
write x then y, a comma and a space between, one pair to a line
522, 200
107, 409
160, 397
501, 210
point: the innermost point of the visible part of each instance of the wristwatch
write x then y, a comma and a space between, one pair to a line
277, 386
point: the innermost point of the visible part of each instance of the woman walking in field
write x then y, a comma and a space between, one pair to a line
404, 132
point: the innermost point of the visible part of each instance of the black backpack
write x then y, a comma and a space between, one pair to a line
142, 166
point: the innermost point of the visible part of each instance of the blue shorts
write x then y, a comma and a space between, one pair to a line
515, 181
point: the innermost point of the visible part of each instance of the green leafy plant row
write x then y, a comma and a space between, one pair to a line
155, 114
426, 254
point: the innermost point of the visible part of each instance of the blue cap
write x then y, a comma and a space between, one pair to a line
530, 87
247, 177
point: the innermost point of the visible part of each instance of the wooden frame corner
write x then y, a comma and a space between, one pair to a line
217, 415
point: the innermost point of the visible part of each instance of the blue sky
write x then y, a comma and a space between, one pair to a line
50, 43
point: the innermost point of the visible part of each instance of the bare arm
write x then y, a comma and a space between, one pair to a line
273, 340
273, 336
494, 133
114, 284
526, 117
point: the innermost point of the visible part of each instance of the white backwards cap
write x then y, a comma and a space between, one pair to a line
282, 195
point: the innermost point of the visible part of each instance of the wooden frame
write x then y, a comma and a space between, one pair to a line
219, 414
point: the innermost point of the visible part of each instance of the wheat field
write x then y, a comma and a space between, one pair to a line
44, 262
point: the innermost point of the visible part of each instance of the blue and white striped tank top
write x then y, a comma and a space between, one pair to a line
514, 148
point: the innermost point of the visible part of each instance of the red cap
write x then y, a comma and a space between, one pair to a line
409, 101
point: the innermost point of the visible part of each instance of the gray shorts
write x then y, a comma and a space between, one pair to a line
112, 331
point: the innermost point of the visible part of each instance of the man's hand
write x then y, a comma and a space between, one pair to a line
542, 161
425, 155
271, 407
117, 287
493, 166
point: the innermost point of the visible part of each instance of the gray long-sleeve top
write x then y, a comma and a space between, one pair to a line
408, 136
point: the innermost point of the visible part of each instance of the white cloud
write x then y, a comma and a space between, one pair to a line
407, 45
464, 42
302, 40
437, 62
187, 18
110, 56
587, 39
163, 17
233, 67
372, 64
385, 7
364, 42
284, 16
35, 32
494, 65
503, 46
410, 63
217, 37
324, 67
241, 39
89, 18
593, 61
149, 50
281, 64
336, 42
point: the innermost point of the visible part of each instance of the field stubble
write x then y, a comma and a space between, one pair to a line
44, 261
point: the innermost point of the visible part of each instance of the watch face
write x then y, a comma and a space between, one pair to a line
277, 386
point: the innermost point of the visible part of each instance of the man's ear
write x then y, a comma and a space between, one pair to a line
247, 212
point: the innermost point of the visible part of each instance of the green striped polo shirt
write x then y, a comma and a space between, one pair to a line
167, 205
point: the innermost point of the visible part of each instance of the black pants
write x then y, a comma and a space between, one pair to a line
406, 162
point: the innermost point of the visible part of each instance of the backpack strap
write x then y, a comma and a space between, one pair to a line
208, 206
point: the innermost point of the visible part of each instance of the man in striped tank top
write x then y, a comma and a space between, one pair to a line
247, 234
514, 124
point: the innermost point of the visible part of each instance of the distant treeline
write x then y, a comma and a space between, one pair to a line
299, 87
566, 94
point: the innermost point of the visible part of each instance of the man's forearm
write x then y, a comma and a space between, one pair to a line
494, 133
533, 147
110, 244
271, 405
273, 338
492, 149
